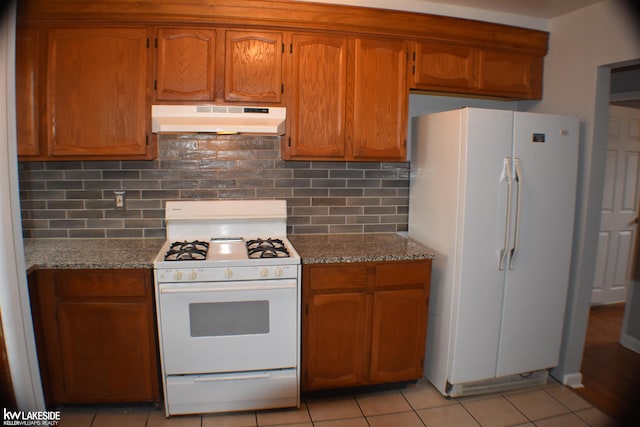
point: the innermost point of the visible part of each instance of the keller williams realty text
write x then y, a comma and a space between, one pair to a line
31, 418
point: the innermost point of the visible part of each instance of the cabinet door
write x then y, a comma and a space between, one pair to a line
398, 335
380, 100
185, 64
335, 338
442, 66
253, 66
317, 97
28, 91
97, 92
103, 359
510, 74
96, 335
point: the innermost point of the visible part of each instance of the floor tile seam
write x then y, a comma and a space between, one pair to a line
556, 416
568, 410
518, 409
395, 413
412, 408
508, 401
577, 395
470, 414
93, 418
361, 411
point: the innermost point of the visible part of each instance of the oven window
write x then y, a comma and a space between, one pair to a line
213, 319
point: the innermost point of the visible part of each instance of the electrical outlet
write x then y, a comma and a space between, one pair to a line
119, 199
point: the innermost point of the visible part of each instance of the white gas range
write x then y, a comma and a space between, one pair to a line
227, 287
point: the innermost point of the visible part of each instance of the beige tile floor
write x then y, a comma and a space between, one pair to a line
419, 405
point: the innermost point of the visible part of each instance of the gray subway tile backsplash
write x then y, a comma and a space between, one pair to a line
75, 198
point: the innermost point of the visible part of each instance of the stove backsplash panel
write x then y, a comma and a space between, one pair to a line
76, 198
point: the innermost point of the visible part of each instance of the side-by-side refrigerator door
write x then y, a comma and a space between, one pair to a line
480, 275
545, 168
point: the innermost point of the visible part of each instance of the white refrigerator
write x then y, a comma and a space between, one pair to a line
493, 194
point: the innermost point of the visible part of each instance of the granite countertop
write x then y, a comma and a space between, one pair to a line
90, 253
70, 254
344, 248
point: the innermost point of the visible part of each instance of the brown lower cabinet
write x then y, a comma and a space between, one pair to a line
364, 323
95, 333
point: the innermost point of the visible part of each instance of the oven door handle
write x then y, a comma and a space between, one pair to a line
185, 289
231, 378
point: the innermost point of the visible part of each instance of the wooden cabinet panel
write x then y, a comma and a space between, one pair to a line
103, 358
253, 66
356, 330
348, 99
510, 73
96, 335
399, 335
97, 92
334, 354
317, 97
473, 70
380, 99
186, 63
402, 273
28, 91
442, 65
337, 277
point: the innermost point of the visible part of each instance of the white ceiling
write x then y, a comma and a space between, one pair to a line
536, 8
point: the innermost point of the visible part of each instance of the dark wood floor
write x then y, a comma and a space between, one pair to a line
610, 372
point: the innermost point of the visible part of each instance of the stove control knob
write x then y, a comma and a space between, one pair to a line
264, 272
177, 275
228, 273
278, 272
192, 275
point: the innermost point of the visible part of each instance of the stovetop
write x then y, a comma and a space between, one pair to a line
226, 233
226, 251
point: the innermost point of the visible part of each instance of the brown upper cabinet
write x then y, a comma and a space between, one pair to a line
316, 97
86, 73
380, 100
96, 87
347, 100
253, 66
457, 68
28, 91
185, 64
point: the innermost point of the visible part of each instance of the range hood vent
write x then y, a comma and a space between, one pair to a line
220, 119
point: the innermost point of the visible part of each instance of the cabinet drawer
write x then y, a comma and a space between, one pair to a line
337, 277
98, 284
403, 273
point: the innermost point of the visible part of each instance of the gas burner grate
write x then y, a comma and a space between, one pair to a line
187, 251
267, 248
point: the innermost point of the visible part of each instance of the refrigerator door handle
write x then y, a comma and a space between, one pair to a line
518, 179
508, 178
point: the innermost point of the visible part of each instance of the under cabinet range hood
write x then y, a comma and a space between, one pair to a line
220, 119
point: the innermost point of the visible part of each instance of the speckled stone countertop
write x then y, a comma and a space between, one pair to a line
90, 253
69, 254
344, 248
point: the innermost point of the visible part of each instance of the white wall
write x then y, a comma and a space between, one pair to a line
14, 297
582, 46
443, 9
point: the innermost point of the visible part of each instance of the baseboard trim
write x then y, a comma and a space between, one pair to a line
630, 342
573, 380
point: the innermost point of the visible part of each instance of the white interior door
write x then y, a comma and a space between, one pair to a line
619, 207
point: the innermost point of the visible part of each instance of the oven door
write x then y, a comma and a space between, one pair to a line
228, 326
